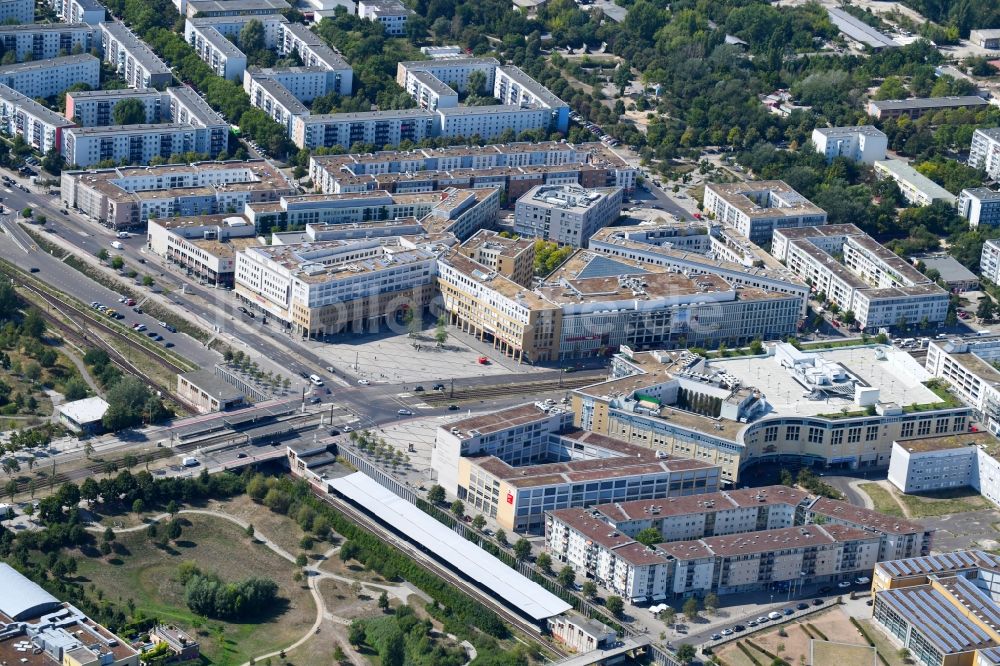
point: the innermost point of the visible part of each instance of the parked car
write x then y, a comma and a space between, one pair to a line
725, 632
801, 605
817, 602
404, 412
718, 637
844, 584
364, 382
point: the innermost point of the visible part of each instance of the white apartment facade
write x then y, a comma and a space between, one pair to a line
18, 11
967, 365
984, 152
134, 61
862, 143
42, 41
917, 189
566, 214
989, 262
274, 99
90, 12
131, 144
377, 128
390, 13
980, 206
215, 50
22, 116
52, 77
947, 463
205, 246
756, 209
314, 52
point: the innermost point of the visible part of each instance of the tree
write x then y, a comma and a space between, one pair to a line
252, 37
130, 111
148, 281
458, 508
615, 605
986, 308
566, 576
690, 608
172, 508
249, 531
75, 389
109, 535
102, 254
174, 530
649, 536
435, 494
117, 262
544, 562
668, 615
300, 560
589, 589
756, 347
501, 537
53, 161
522, 549
711, 602
441, 332
138, 506
383, 601
26, 212
479, 522
477, 83
686, 653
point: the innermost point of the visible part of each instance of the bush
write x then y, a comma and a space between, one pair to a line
207, 595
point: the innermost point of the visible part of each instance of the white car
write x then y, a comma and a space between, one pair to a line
348, 429
364, 382
862, 580
404, 412
844, 584
727, 632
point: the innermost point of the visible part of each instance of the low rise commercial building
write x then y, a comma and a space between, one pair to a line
324, 287
985, 38
126, 197
874, 283
512, 258
205, 246
941, 608
83, 417
566, 214
22, 116
515, 168
581, 634
837, 409
95, 108
181, 645
134, 61
916, 188
207, 392
390, 13
51, 77
980, 206
39, 630
41, 41
757, 208
90, 12
861, 143
968, 367
217, 8
984, 151
518, 463
458, 212
593, 304
955, 277
860, 32
915, 107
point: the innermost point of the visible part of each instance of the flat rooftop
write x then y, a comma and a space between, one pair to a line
945, 442
940, 565
928, 102
697, 504
488, 423
737, 195
899, 379
49, 63
937, 618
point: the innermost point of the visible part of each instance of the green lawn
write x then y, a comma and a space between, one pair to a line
944, 502
883, 499
147, 575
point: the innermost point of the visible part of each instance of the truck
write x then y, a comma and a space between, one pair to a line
117, 245
190, 461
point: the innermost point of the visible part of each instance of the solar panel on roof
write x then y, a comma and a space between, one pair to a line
601, 266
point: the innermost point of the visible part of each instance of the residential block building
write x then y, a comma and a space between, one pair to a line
786, 406
90, 12
269, 95
917, 188
95, 108
512, 258
989, 262
919, 106
17, 11
941, 463
41, 41
126, 197
51, 77
205, 246
756, 209
874, 283
134, 61
862, 143
390, 13
984, 152
314, 52
22, 116
517, 463
566, 214
376, 128
980, 206
217, 8
967, 366
131, 144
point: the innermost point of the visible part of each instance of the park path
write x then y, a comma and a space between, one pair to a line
313, 577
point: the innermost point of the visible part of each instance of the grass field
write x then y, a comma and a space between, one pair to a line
883, 499
147, 575
825, 652
944, 502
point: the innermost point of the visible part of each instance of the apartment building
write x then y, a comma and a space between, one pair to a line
514, 168
217, 8
862, 143
757, 208
512, 258
966, 460
702, 248
517, 463
980, 206
941, 608
919, 106
324, 287
95, 108
430, 92
204, 246
376, 128
134, 61
225, 59
188, 107
916, 188
39, 630
303, 83
566, 214
390, 13
984, 152
967, 365
51, 77
756, 559
314, 52
274, 99
41, 41
838, 409
593, 304
90, 12
453, 72
457, 212
126, 197
874, 283
22, 116
514, 87
989, 262
131, 144
17, 11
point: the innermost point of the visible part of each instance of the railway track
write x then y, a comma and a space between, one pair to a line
502, 390
437, 568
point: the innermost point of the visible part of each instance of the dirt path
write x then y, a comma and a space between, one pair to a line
889, 488
313, 577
